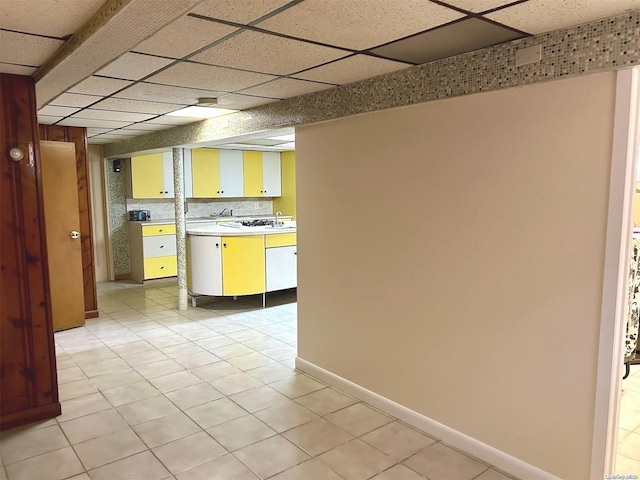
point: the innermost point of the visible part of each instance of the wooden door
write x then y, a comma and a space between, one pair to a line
62, 226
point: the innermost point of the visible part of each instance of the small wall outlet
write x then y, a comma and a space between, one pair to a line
525, 56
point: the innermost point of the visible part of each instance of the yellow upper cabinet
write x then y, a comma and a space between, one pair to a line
252, 174
152, 176
216, 173
205, 172
262, 174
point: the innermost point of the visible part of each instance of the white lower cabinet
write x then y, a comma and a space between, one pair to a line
282, 268
204, 274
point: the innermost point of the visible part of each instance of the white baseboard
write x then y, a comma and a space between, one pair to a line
499, 459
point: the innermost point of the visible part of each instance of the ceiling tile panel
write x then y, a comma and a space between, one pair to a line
24, 49
48, 119
97, 131
75, 100
127, 133
359, 24
112, 115
136, 106
286, 87
58, 111
99, 141
112, 137
165, 93
184, 36
99, 86
540, 16
208, 77
236, 101
146, 127
134, 66
170, 120
263, 53
351, 69
477, 6
16, 69
238, 11
88, 122
262, 141
460, 37
53, 18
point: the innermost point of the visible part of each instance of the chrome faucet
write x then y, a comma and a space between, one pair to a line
277, 222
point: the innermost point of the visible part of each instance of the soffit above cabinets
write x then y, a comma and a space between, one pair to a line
247, 53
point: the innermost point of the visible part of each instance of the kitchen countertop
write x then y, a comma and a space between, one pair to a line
215, 230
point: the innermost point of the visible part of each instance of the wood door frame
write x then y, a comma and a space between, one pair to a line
27, 359
78, 136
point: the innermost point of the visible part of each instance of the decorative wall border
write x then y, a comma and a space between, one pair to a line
607, 44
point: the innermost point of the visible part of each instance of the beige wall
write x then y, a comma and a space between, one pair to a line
451, 259
96, 165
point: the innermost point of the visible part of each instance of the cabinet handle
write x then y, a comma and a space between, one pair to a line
161, 246
218, 191
161, 268
217, 245
224, 245
221, 191
160, 230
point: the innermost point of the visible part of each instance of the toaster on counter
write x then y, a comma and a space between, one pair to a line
139, 215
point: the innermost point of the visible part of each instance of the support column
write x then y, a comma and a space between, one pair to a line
181, 226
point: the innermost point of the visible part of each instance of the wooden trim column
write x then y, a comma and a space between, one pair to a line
28, 379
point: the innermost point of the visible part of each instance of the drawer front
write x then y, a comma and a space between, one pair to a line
158, 267
159, 246
149, 230
281, 239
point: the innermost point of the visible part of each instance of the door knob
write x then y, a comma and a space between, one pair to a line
74, 234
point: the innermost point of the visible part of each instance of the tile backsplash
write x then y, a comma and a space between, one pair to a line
165, 209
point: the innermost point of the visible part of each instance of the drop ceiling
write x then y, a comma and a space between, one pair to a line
250, 53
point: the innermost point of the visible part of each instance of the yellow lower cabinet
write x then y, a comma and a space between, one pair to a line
157, 267
243, 265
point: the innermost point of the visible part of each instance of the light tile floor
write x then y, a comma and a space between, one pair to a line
150, 393
628, 459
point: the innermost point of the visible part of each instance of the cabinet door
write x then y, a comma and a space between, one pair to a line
282, 268
205, 171
252, 174
243, 265
271, 180
167, 174
204, 265
147, 176
231, 173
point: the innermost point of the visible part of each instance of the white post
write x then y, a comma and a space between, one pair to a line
181, 229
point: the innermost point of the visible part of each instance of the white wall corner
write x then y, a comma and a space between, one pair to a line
486, 453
